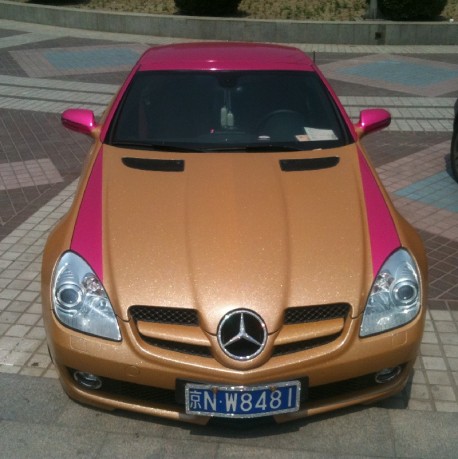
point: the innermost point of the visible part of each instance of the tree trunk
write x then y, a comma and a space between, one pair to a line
372, 12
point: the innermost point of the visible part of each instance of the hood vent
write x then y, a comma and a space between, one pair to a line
308, 164
158, 165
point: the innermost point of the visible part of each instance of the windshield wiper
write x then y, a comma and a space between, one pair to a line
154, 146
221, 149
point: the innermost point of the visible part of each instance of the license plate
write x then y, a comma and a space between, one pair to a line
242, 401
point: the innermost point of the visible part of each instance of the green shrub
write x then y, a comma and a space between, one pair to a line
207, 7
411, 10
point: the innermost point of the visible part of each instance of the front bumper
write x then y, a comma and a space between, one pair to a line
340, 374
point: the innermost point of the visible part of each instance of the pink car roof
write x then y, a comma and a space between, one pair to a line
225, 56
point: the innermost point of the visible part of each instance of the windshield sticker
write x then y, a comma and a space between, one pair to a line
303, 138
320, 134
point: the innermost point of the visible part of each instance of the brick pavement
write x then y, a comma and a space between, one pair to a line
40, 161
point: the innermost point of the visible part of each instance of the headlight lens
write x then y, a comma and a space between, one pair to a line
395, 296
80, 301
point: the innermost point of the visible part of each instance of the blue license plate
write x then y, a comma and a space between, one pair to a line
242, 401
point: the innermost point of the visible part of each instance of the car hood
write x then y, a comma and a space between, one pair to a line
222, 231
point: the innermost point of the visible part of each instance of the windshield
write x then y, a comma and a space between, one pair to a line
225, 111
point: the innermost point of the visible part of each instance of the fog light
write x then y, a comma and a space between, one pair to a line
387, 374
87, 380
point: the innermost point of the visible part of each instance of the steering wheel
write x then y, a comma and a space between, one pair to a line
279, 119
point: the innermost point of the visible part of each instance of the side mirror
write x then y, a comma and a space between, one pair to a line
372, 120
80, 120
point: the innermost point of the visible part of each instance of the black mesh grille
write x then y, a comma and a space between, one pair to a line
305, 314
192, 349
161, 315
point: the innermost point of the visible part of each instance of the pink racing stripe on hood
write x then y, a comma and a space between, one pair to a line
384, 237
87, 235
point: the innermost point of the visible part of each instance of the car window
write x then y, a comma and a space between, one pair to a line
228, 110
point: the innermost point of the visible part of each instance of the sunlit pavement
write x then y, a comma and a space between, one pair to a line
43, 71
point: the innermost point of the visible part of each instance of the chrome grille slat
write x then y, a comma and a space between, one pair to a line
290, 348
184, 348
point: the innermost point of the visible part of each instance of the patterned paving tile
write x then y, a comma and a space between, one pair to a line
13, 40
84, 59
397, 73
28, 138
428, 114
78, 60
28, 173
423, 190
22, 338
9, 33
383, 147
439, 190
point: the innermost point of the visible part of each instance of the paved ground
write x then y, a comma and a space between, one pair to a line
45, 70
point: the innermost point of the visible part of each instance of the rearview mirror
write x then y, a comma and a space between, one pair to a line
80, 120
371, 120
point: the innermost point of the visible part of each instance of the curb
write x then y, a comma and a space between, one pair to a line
280, 31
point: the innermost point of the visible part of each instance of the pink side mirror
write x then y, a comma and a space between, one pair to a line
80, 120
372, 120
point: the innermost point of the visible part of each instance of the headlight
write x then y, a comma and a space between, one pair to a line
395, 296
79, 299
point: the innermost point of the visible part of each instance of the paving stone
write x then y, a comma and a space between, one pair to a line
420, 392
453, 362
451, 351
431, 350
455, 376
446, 327
449, 338
438, 377
443, 393
421, 405
434, 363
429, 338
418, 377
415, 438
446, 407
441, 315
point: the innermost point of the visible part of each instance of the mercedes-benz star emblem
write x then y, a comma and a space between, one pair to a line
242, 334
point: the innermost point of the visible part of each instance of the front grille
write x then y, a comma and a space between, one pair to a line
306, 314
161, 315
189, 318
185, 348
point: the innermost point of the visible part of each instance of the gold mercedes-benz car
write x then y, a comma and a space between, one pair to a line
230, 251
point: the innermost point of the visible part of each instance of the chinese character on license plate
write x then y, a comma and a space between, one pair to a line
242, 401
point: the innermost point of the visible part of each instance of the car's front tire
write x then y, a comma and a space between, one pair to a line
454, 153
